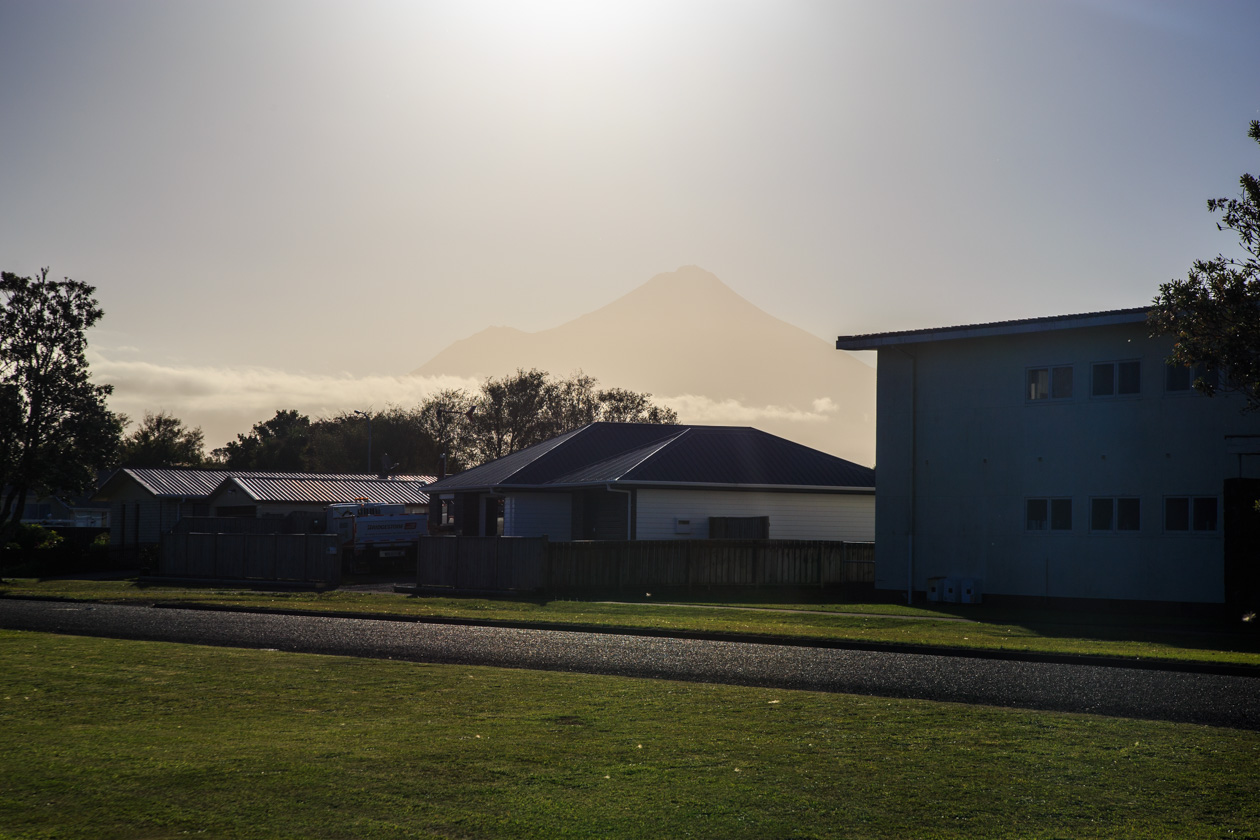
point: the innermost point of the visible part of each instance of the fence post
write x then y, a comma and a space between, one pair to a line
691, 568
544, 564
622, 571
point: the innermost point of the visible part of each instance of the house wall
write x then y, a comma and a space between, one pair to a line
537, 514
137, 521
793, 516
961, 449
600, 515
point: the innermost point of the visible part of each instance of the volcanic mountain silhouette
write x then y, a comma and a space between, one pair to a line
697, 346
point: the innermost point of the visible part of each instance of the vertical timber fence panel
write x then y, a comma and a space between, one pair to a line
529, 564
253, 557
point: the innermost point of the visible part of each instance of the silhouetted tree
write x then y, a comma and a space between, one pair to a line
162, 440
276, 445
55, 431
446, 417
617, 405
529, 407
1215, 312
339, 443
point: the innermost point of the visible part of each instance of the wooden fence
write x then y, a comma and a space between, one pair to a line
516, 563
304, 559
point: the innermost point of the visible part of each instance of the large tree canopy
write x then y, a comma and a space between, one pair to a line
280, 444
529, 407
1214, 313
505, 415
162, 440
55, 430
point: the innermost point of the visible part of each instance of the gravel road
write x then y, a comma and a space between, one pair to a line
1212, 699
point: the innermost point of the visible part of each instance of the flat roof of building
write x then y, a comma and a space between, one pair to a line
874, 341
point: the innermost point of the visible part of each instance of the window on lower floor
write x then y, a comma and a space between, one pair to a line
1050, 383
1048, 515
1190, 513
1111, 379
1115, 513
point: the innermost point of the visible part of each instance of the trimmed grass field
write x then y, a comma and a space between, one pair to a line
123, 739
984, 628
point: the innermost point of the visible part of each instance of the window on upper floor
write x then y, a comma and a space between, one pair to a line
1181, 378
1115, 513
1048, 515
1183, 514
1111, 379
1049, 383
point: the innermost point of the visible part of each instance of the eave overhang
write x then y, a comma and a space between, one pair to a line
875, 341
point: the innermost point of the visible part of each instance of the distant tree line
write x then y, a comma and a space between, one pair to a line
503, 416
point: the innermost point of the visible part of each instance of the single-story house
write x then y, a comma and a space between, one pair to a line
59, 511
1059, 457
279, 495
641, 481
144, 503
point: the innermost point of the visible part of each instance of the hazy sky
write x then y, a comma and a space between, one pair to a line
288, 201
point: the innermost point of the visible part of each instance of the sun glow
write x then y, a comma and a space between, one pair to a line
569, 26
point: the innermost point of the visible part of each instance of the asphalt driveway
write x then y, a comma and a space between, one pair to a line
1210, 699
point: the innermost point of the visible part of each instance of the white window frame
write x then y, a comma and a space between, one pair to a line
1199, 371
1192, 503
1115, 514
1115, 379
1049, 520
1051, 371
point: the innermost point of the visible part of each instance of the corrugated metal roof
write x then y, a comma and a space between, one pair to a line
873, 341
199, 484
641, 453
330, 490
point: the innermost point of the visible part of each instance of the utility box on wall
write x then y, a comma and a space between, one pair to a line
969, 591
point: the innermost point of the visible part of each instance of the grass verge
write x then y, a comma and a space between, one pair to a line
986, 628
106, 738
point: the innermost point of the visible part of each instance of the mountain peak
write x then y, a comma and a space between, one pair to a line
690, 297
688, 275
685, 334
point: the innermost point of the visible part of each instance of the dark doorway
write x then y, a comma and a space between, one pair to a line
494, 517
1242, 543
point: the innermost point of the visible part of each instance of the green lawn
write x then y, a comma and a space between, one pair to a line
987, 628
105, 738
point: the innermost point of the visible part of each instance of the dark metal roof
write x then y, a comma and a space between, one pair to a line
649, 454
199, 484
874, 341
329, 490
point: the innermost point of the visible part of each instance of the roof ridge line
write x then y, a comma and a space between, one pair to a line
545, 447
656, 450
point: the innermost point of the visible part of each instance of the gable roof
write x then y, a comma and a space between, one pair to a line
874, 341
191, 485
654, 455
322, 489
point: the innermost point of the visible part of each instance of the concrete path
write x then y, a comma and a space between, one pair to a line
1212, 699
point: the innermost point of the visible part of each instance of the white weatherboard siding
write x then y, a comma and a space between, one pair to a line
536, 514
793, 516
961, 450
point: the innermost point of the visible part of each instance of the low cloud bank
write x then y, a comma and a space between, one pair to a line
226, 401
693, 408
